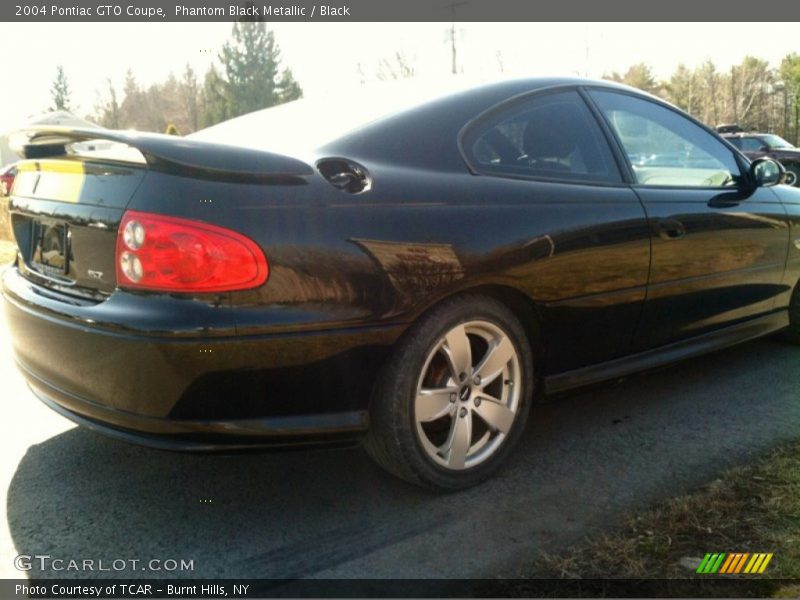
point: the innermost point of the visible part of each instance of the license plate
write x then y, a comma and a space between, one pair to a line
51, 249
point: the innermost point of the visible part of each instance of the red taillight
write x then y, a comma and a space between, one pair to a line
6, 182
180, 255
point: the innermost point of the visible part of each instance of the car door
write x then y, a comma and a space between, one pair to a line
719, 244
578, 241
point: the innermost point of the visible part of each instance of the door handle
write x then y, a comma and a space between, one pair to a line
724, 202
670, 229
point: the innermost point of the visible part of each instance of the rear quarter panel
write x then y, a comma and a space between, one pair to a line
382, 257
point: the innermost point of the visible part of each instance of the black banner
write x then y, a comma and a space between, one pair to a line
394, 11
701, 586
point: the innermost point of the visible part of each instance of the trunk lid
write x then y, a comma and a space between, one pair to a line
69, 197
64, 216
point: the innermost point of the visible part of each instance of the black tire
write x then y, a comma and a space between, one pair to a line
394, 441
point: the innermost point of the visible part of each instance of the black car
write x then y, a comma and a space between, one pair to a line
412, 282
757, 145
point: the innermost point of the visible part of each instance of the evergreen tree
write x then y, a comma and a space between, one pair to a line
288, 88
190, 92
250, 62
60, 91
639, 76
681, 89
214, 98
252, 78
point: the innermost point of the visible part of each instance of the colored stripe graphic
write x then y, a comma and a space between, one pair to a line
755, 562
730, 564
765, 563
703, 563
711, 563
736, 563
727, 563
740, 564
715, 565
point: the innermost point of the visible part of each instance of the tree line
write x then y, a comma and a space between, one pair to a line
248, 77
753, 94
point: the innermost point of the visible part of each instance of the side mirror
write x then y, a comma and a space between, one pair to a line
766, 172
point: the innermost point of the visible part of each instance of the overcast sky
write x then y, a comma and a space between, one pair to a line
325, 56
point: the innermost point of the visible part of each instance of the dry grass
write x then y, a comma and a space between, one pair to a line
7, 246
8, 250
752, 508
5, 227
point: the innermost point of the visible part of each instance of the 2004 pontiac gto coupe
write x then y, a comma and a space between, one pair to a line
411, 281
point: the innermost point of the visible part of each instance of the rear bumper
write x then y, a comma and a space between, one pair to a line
327, 429
192, 392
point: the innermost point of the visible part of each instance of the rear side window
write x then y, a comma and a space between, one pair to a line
752, 145
735, 141
550, 136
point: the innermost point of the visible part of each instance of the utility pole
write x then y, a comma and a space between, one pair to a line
453, 45
452, 6
586, 43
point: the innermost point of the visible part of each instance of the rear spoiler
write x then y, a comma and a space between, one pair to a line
171, 154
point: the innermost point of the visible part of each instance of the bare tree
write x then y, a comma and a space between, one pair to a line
107, 110
748, 85
397, 66
500, 63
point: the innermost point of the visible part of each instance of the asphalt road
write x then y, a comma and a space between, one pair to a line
583, 464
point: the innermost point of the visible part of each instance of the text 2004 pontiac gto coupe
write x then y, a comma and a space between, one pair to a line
410, 282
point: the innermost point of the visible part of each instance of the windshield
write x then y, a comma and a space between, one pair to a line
312, 122
775, 141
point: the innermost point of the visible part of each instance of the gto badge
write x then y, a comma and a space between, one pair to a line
95, 274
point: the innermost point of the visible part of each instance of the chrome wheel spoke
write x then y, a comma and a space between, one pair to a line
496, 359
458, 352
432, 404
495, 414
455, 449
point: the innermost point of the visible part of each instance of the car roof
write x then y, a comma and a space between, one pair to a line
320, 119
434, 126
497, 91
743, 134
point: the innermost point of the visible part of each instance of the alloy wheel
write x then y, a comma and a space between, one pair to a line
468, 395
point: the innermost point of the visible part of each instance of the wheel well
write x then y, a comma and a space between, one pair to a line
523, 307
